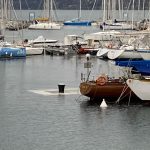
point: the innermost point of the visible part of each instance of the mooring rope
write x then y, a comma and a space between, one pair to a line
123, 91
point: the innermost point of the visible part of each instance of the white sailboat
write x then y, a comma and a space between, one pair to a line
108, 23
40, 41
140, 87
124, 52
116, 26
78, 21
51, 24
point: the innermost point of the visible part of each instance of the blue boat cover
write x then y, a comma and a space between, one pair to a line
141, 66
78, 23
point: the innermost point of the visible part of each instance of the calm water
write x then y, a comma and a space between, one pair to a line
30, 121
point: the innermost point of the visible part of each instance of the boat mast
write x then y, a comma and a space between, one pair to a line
5, 9
144, 8
139, 3
133, 13
109, 10
80, 10
104, 10
21, 17
1, 16
119, 9
51, 11
46, 7
149, 10
113, 9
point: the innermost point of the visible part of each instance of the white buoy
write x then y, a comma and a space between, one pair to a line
103, 104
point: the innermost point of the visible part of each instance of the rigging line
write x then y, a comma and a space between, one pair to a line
87, 6
40, 4
123, 91
129, 99
92, 9
128, 6
12, 6
88, 76
55, 8
125, 96
129, 65
78, 98
27, 4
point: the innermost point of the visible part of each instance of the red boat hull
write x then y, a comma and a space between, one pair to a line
110, 91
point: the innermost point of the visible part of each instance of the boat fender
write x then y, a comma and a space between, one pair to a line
101, 80
110, 46
130, 80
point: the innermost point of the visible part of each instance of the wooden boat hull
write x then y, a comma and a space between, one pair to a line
110, 92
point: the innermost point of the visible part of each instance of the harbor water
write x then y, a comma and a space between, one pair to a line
36, 121
34, 118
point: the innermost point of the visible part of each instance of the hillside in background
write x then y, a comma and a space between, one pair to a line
74, 4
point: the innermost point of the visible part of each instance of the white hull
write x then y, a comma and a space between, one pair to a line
123, 54
40, 41
140, 88
117, 26
102, 52
45, 26
145, 54
34, 51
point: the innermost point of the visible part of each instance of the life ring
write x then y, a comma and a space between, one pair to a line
101, 80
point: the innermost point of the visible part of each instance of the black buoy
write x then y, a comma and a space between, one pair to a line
61, 87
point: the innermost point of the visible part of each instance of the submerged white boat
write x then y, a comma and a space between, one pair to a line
140, 87
124, 52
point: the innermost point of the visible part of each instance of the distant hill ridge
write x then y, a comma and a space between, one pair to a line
74, 4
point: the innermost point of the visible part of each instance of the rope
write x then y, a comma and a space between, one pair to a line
129, 98
92, 8
78, 98
123, 91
